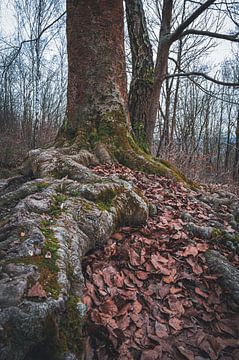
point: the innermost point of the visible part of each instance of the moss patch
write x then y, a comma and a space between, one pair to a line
57, 201
105, 199
70, 331
41, 186
48, 272
216, 233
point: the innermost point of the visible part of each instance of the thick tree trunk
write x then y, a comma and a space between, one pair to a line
142, 70
97, 113
96, 61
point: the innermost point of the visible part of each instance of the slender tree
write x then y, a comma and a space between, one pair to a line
167, 36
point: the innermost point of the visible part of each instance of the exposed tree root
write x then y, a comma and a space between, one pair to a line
47, 224
58, 217
229, 275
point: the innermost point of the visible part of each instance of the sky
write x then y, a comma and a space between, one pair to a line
215, 58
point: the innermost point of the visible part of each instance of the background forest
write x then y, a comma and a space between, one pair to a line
198, 120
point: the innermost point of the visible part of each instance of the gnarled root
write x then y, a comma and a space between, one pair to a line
47, 225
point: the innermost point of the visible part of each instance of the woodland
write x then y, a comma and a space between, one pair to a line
119, 208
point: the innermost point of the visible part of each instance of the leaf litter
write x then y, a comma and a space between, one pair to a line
153, 296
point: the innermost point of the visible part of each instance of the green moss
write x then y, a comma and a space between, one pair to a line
57, 201
70, 331
105, 199
149, 76
74, 193
41, 186
59, 174
216, 233
48, 272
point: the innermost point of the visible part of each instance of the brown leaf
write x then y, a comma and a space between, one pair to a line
87, 301
174, 290
142, 275
202, 247
123, 322
98, 280
152, 354
190, 250
124, 309
175, 323
117, 236
157, 265
109, 307
36, 291
168, 279
196, 268
133, 257
186, 352
200, 292
119, 280
137, 307
161, 329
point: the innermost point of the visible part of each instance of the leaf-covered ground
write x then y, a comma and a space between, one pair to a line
149, 292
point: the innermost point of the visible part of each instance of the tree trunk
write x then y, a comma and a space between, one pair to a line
160, 67
142, 70
96, 66
236, 160
97, 114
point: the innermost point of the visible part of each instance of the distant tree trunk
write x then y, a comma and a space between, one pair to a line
160, 67
228, 147
236, 161
219, 138
142, 70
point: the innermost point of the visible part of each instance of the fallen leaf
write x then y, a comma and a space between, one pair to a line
161, 330
36, 291
190, 250
117, 236
186, 352
175, 323
137, 307
109, 307
200, 292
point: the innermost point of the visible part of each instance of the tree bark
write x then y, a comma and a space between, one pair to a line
97, 113
96, 63
142, 70
161, 66
236, 160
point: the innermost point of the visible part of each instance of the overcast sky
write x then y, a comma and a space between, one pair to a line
218, 55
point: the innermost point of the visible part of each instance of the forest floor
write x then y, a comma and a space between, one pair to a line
149, 290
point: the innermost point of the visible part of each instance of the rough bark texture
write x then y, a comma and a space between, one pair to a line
97, 116
142, 70
161, 66
97, 76
47, 225
229, 275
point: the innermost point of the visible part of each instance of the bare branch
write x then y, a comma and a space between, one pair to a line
178, 32
17, 52
234, 38
195, 73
